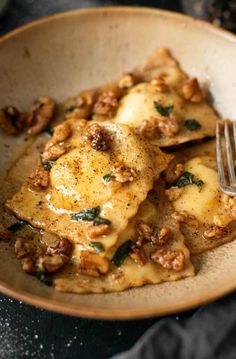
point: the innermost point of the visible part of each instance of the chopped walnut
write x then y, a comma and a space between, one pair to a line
11, 120
52, 153
82, 107
214, 232
97, 137
106, 104
41, 114
184, 217
174, 193
60, 246
28, 265
138, 255
93, 264
169, 259
144, 233
167, 126
160, 84
22, 248
40, 179
173, 172
123, 173
61, 133
162, 236
101, 230
127, 81
5, 234
192, 92
52, 263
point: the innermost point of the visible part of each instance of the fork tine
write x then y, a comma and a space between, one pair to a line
229, 155
219, 155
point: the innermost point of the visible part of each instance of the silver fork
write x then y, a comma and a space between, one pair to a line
227, 176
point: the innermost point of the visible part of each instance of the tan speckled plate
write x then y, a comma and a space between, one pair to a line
63, 54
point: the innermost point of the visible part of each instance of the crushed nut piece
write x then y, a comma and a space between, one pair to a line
123, 173
186, 218
167, 126
61, 133
52, 263
138, 255
214, 232
93, 264
127, 81
169, 259
97, 137
174, 193
22, 248
160, 84
60, 246
106, 104
41, 114
101, 230
28, 265
82, 107
144, 233
5, 235
40, 179
162, 236
52, 153
173, 172
191, 91
11, 120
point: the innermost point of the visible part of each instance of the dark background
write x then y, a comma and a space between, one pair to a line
28, 332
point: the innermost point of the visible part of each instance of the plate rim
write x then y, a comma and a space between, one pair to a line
103, 313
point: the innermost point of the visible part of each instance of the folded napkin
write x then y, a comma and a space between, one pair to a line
209, 334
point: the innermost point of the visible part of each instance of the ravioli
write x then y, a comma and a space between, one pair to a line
131, 274
139, 106
77, 184
207, 204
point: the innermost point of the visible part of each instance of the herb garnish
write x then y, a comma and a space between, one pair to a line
98, 246
186, 179
108, 177
192, 124
44, 278
163, 110
90, 215
16, 226
49, 131
73, 107
121, 253
154, 232
99, 220
47, 165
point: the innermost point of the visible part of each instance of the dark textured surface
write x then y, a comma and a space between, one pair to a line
28, 332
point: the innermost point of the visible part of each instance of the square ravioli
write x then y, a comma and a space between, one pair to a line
90, 184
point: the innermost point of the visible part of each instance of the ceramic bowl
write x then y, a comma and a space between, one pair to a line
63, 54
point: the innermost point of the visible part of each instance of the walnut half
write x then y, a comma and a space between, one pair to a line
40, 115
98, 138
93, 264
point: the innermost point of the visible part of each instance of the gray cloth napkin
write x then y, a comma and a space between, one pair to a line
209, 334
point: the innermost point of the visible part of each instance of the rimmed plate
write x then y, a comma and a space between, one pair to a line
65, 53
